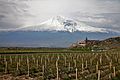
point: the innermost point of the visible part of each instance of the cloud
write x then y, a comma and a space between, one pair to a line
96, 20
104, 20
19, 13
12, 13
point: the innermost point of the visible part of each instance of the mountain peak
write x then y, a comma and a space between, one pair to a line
60, 23
59, 17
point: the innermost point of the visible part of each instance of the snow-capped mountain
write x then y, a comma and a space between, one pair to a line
60, 23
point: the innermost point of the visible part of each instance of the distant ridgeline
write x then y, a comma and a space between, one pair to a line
110, 43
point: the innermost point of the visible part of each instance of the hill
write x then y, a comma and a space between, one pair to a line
110, 43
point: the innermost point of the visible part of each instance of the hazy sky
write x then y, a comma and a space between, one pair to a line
98, 13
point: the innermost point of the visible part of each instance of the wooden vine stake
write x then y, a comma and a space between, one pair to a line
6, 66
77, 57
57, 63
101, 59
57, 69
33, 58
114, 74
45, 63
86, 64
110, 76
4, 58
28, 65
110, 65
76, 74
69, 66
37, 63
58, 57
19, 61
65, 60
43, 70
57, 74
10, 59
48, 59
97, 67
82, 67
75, 63
17, 66
98, 74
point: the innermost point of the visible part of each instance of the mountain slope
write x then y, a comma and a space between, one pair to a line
113, 42
60, 23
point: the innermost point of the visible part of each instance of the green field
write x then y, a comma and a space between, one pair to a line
59, 64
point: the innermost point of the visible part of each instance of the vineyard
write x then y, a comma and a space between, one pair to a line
61, 66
